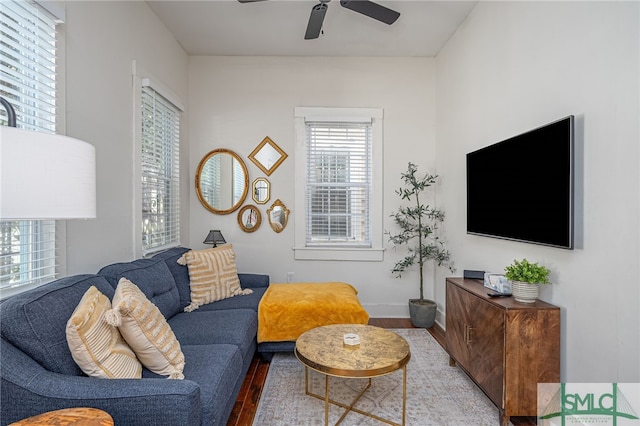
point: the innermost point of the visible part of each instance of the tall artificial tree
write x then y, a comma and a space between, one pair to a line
418, 224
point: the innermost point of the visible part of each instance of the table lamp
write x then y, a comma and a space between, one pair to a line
215, 237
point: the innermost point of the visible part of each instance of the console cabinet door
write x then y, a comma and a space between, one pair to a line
486, 340
457, 324
475, 339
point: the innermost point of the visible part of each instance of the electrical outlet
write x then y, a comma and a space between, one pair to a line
289, 277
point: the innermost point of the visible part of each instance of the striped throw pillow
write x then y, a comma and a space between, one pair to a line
213, 275
146, 330
97, 347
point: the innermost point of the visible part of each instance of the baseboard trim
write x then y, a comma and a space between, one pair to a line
438, 333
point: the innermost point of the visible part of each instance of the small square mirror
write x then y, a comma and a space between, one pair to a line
267, 156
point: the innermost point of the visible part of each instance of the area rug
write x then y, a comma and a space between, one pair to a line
437, 394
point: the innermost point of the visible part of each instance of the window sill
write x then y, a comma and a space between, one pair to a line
337, 253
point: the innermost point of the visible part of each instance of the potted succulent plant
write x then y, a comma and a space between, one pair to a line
418, 224
525, 277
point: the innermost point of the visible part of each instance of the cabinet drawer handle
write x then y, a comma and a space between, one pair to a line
468, 330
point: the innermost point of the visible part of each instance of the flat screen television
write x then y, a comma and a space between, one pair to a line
522, 188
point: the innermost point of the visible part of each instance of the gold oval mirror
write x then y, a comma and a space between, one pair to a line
278, 215
261, 190
249, 218
222, 181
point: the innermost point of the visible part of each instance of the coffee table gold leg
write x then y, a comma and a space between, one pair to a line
351, 408
404, 393
326, 400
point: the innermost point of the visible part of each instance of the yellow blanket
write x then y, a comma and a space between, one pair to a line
288, 310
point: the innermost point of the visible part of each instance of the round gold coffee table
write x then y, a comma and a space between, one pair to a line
84, 416
380, 352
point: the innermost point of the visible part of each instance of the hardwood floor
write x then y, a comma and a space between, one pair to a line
247, 402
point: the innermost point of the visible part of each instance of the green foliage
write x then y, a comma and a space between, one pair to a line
527, 272
418, 225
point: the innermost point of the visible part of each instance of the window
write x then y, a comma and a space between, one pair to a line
338, 186
338, 183
160, 171
28, 81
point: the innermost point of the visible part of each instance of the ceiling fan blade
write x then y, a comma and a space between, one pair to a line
372, 10
315, 21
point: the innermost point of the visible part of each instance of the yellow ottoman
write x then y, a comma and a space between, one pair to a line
288, 310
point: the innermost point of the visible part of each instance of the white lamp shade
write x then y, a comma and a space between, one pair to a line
45, 176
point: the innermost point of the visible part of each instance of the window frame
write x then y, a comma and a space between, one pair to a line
338, 251
142, 79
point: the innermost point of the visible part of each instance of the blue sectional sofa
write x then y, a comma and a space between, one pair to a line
38, 373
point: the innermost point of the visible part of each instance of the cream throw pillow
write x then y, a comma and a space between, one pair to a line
97, 347
146, 330
212, 275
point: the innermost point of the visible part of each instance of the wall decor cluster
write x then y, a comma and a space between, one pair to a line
222, 185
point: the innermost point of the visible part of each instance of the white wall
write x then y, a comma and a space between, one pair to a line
235, 102
514, 66
102, 41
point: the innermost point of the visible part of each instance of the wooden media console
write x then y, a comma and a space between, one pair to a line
506, 347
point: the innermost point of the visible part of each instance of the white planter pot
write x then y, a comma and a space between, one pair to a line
524, 292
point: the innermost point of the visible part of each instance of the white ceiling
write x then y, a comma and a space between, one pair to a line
277, 27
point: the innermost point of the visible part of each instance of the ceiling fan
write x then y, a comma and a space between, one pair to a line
365, 7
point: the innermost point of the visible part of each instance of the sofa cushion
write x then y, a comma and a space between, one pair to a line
97, 347
257, 282
233, 326
180, 272
146, 330
216, 369
213, 275
35, 321
152, 277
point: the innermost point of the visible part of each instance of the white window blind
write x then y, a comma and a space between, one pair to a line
28, 82
338, 180
28, 253
160, 172
28, 61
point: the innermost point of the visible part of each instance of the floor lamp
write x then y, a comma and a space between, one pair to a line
44, 176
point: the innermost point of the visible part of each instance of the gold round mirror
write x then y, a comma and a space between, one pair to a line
222, 181
249, 218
